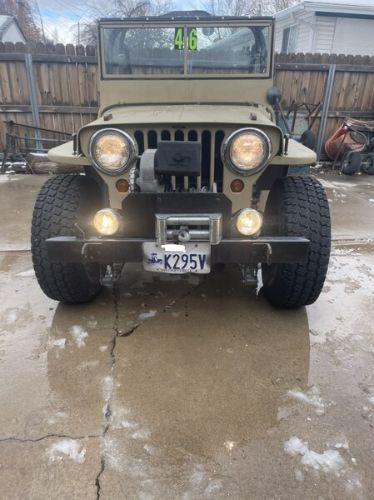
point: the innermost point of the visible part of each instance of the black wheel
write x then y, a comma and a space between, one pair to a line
368, 167
63, 203
308, 139
351, 163
297, 206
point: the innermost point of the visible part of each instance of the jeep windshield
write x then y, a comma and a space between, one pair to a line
198, 49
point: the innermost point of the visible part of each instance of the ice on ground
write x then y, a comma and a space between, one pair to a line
107, 385
299, 476
311, 397
147, 315
87, 364
60, 343
283, 413
11, 315
342, 444
229, 445
141, 434
26, 274
330, 461
126, 424
67, 448
79, 335
103, 348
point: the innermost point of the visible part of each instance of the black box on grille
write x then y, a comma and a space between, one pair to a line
178, 158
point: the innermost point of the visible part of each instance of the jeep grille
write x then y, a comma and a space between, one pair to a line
211, 163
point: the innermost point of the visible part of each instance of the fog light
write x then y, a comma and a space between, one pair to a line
249, 222
106, 221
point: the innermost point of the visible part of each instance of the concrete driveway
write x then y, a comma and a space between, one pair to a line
188, 387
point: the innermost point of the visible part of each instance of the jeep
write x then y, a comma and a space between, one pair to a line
185, 168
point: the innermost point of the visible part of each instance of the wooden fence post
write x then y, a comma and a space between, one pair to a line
325, 109
33, 100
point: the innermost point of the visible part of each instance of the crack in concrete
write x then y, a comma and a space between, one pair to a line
128, 332
108, 411
118, 333
47, 436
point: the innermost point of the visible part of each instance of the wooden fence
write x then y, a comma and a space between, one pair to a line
64, 79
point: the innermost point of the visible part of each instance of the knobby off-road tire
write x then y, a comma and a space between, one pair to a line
63, 202
297, 206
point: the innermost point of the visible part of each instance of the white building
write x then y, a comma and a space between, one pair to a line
326, 26
10, 30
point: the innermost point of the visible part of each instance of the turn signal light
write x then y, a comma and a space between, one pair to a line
122, 185
237, 185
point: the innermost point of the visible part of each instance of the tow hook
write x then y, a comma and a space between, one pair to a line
184, 235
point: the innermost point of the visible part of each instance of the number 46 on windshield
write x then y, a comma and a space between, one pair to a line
191, 38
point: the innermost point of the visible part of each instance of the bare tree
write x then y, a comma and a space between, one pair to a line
120, 8
23, 12
247, 7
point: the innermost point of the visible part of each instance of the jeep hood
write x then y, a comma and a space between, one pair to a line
183, 114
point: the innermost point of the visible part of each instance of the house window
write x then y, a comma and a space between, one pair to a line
289, 40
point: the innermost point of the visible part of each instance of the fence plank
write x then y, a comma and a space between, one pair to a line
66, 79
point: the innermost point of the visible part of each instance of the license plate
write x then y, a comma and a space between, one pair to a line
177, 259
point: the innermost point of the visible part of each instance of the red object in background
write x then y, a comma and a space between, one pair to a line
348, 137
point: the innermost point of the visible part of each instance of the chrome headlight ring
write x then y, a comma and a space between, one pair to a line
131, 144
226, 154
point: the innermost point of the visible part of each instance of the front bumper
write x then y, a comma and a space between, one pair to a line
277, 249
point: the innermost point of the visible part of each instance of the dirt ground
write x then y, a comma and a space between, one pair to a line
188, 387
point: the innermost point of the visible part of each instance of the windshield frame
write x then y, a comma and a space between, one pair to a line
188, 23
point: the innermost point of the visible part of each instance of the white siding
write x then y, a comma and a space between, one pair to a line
13, 34
324, 34
304, 36
278, 35
305, 32
354, 36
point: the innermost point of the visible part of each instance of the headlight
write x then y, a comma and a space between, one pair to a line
112, 151
246, 151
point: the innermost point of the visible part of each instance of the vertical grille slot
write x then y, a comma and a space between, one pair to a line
211, 163
205, 158
218, 170
139, 137
152, 139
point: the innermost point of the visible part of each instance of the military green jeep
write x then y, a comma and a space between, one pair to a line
185, 167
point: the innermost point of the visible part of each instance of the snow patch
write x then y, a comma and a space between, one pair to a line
87, 364
229, 445
126, 424
299, 476
141, 434
147, 315
60, 343
92, 323
79, 335
107, 385
11, 315
103, 348
26, 274
67, 448
311, 397
330, 461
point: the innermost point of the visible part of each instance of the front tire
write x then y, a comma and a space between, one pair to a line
62, 207
298, 206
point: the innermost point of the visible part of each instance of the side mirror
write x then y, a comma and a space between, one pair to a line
274, 95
